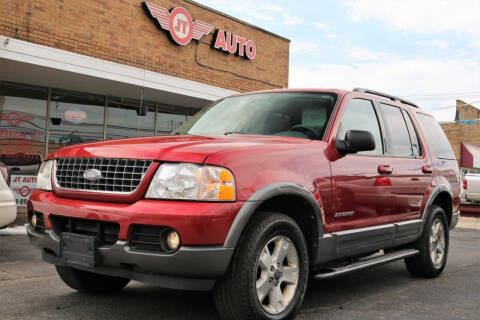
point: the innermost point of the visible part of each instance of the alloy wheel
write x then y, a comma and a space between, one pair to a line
437, 243
277, 274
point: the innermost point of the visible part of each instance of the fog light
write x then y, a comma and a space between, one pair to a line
33, 220
173, 240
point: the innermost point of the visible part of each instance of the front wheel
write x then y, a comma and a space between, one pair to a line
433, 246
268, 275
89, 282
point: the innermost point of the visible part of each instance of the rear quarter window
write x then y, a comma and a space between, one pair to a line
436, 137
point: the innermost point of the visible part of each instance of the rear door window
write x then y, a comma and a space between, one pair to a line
397, 132
417, 147
436, 137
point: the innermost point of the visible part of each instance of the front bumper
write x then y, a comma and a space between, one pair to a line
198, 223
455, 218
190, 268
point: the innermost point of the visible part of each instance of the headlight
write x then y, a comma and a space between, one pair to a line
188, 181
44, 177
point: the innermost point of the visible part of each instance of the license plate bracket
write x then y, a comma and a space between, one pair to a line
78, 249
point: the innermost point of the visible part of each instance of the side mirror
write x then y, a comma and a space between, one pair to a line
355, 141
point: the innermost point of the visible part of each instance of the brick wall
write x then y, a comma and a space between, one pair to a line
120, 31
458, 132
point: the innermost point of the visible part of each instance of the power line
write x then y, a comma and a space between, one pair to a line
442, 94
445, 98
461, 105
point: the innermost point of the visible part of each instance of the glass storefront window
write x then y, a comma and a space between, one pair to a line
22, 136
169, 122
125, 119
22, 127
74, 118
169, 118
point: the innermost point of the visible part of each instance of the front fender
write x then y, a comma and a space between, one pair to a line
264, 194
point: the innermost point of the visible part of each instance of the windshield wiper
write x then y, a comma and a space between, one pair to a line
233, 132
186, 133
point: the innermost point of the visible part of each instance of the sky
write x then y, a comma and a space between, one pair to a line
426, 51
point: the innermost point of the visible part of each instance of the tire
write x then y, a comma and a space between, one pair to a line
424, 264
236, 295
89, 282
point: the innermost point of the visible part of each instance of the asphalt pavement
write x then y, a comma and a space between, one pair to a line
30, 289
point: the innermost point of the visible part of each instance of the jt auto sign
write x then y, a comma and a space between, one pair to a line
181, 28
22, 187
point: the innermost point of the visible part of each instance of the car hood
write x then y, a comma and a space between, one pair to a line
182, 148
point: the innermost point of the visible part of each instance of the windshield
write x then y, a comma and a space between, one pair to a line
289, 114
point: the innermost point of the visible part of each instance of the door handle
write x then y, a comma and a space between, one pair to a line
385, 169
427, 169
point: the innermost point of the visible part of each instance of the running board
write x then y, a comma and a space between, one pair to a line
369, 262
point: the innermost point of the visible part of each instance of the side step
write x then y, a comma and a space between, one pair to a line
366, 263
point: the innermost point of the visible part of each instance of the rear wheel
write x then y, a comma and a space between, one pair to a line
433, 246
89, 282
268, 274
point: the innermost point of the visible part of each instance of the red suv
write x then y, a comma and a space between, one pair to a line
251, 197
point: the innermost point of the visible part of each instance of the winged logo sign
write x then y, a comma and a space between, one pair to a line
182, 29
179, 23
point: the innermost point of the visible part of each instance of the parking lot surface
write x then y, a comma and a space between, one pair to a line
30, 289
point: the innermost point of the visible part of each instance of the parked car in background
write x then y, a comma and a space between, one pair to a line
471, 187
21, 164
252, 197
8, 206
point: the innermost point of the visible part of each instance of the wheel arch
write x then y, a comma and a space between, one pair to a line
285, 198
443, 197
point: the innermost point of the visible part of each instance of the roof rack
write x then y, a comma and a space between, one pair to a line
381, 94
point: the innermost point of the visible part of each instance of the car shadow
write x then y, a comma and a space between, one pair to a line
146, 302
136, 301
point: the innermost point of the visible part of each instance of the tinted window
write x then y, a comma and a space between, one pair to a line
360, 115
397, 131
417, 148
436, 136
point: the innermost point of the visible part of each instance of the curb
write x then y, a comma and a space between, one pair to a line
15, 231
469, 223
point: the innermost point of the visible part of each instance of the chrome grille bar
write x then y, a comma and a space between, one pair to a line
118, 175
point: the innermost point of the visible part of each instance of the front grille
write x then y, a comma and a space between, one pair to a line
117, 175
149, 238
105, 232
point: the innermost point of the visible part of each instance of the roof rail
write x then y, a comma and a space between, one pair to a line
381, 94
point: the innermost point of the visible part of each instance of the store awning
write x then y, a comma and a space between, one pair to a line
22, 61
470, 157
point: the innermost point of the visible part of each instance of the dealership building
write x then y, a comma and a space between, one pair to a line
79, 71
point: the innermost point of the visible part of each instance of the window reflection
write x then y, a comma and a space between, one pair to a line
22, 126
125, 118
169, 118
74, 118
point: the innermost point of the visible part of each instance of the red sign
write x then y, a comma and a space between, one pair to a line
15, 118
182, 29
179, 23
24, 191
232, 43
22, 186
75, 116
